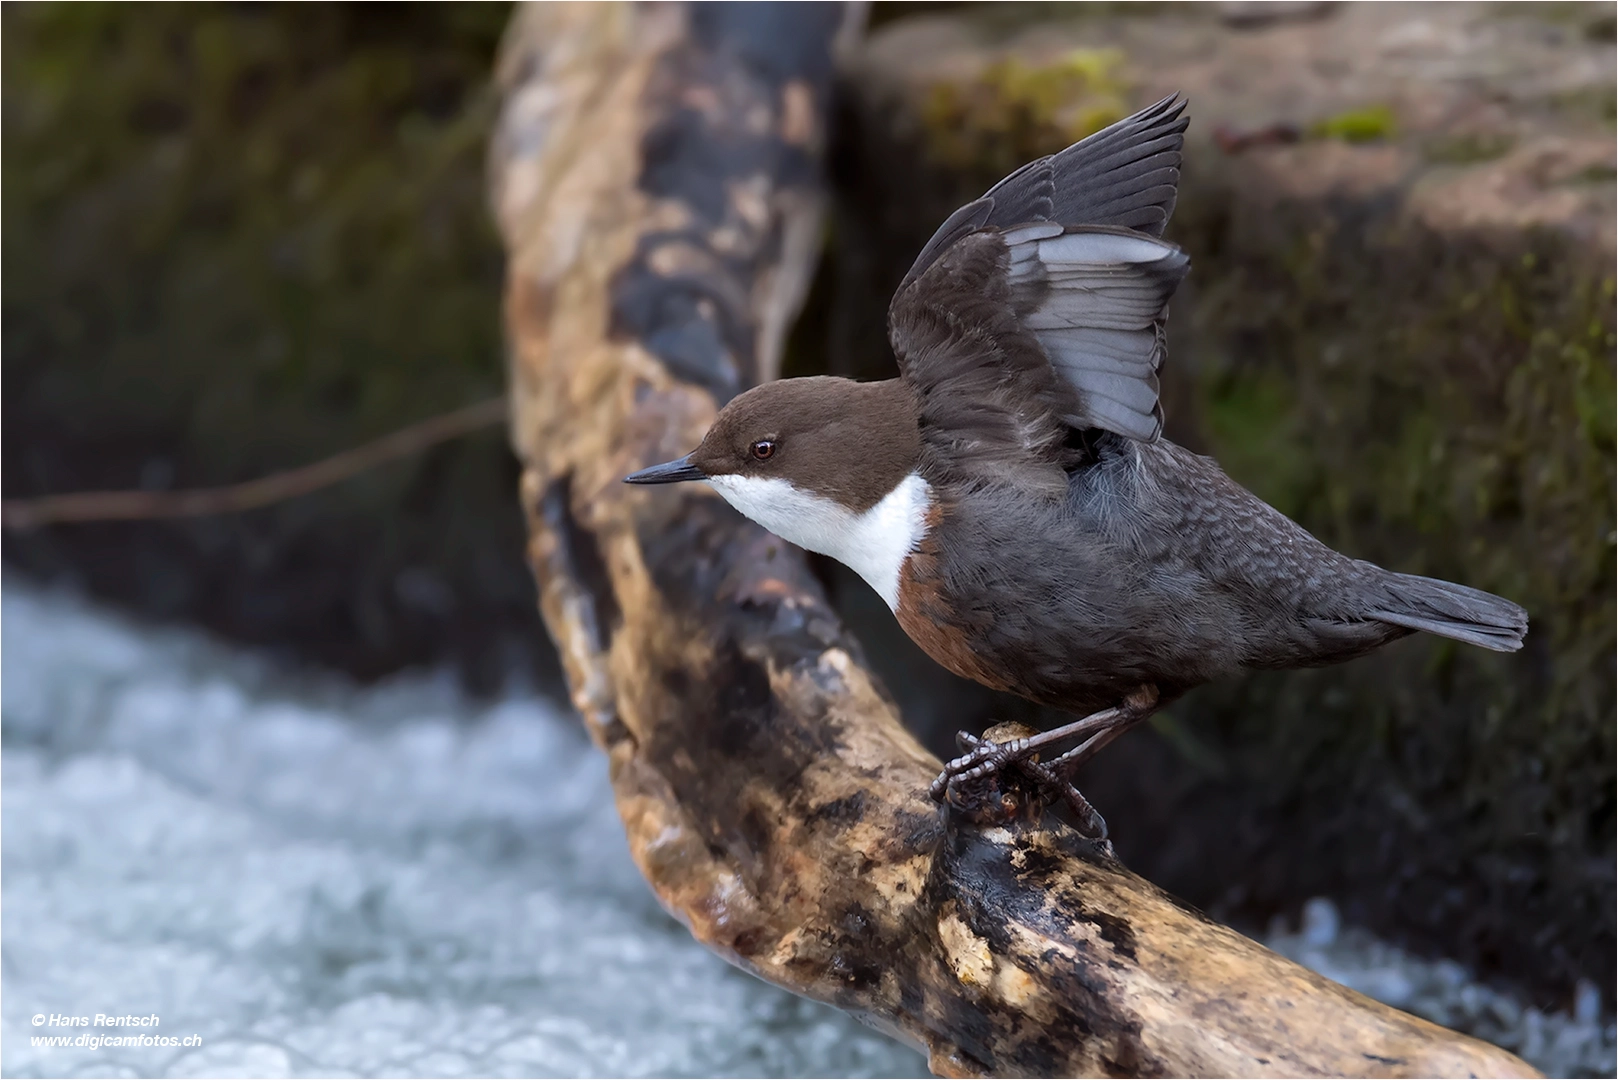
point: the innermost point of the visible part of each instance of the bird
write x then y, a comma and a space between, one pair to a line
1011, 496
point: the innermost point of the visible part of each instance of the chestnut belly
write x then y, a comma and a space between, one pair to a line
1061, 670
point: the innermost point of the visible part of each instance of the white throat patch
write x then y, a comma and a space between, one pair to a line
874, 544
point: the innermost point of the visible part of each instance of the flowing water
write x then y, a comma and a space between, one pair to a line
319, 879
305, 877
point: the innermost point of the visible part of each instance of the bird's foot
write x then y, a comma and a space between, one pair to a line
1000, 776
983, 758
986, 782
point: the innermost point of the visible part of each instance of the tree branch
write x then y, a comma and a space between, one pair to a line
653, 167
251, 494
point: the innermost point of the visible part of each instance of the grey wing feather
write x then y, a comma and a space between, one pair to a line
1040, 307
1097, 300
1125, 175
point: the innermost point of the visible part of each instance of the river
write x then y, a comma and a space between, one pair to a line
303, 876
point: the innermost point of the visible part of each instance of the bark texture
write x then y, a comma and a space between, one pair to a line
655, 176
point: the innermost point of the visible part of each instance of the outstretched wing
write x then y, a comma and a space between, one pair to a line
1125, 175
1015, 329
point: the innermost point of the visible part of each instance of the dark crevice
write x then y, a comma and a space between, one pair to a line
582, 554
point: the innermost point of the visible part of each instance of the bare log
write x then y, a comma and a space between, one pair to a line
655, 177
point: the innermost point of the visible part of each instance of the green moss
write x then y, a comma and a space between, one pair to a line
1012, 111
1442, 405
1441, 464
1369, 124
1468, 148
1596, 174
1591, 101
1252, 419
238, 238
236, 216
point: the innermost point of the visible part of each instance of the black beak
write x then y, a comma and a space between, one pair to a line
670, 472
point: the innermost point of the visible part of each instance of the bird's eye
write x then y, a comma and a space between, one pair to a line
764, 449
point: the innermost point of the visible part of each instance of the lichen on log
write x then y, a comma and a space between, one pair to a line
656, 177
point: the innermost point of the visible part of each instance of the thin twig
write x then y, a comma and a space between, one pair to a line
251, 494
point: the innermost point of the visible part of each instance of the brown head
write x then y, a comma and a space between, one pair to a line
849, 441
826, 463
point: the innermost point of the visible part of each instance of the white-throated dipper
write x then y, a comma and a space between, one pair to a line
1010, 495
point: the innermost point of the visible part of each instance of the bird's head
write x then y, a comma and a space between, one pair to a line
822, 462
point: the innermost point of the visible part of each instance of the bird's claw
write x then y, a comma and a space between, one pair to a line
984, 758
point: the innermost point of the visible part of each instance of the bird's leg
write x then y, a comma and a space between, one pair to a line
1137, 707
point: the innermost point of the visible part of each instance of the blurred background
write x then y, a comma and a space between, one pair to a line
304, 776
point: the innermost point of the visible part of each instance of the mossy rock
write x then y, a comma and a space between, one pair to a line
1399, 330
239, 239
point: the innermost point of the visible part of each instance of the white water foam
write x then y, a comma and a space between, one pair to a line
320, 879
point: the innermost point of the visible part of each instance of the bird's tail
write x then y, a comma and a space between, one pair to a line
1453, 611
